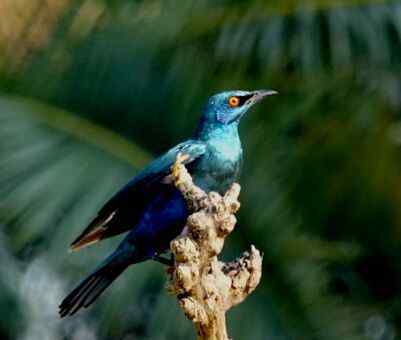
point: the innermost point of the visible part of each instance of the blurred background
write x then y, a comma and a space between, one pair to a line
91, 90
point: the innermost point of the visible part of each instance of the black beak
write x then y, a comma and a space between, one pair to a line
259, 95
251, 99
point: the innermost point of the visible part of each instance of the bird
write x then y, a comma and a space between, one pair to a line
154, 212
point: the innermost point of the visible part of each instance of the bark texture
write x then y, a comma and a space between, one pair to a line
207, 288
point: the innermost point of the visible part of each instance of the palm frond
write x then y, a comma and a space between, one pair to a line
50, 164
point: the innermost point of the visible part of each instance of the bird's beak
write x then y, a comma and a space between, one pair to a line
259, 95
253, 98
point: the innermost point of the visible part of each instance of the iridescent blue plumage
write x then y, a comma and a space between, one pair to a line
155, 213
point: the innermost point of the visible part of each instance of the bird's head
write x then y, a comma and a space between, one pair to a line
228, 107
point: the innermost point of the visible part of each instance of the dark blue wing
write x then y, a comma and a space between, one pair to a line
124, 209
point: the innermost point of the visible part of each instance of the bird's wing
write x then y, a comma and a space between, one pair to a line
121, 212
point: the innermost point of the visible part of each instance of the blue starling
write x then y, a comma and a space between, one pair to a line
154, 212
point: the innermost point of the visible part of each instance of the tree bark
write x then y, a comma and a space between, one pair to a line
207, 288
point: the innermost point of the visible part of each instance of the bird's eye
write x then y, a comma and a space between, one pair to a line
233, 101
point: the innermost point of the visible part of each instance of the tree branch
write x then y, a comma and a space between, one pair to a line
207, 288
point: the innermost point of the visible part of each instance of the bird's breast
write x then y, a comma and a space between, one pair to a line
219, 167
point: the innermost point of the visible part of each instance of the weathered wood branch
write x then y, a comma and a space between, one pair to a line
207, 288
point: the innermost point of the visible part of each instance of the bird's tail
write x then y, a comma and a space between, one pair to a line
94, 285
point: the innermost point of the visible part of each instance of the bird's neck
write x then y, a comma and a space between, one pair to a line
211, 132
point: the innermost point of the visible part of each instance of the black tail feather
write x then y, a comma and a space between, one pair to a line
91, 287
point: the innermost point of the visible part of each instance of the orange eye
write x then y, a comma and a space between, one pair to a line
233, 101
